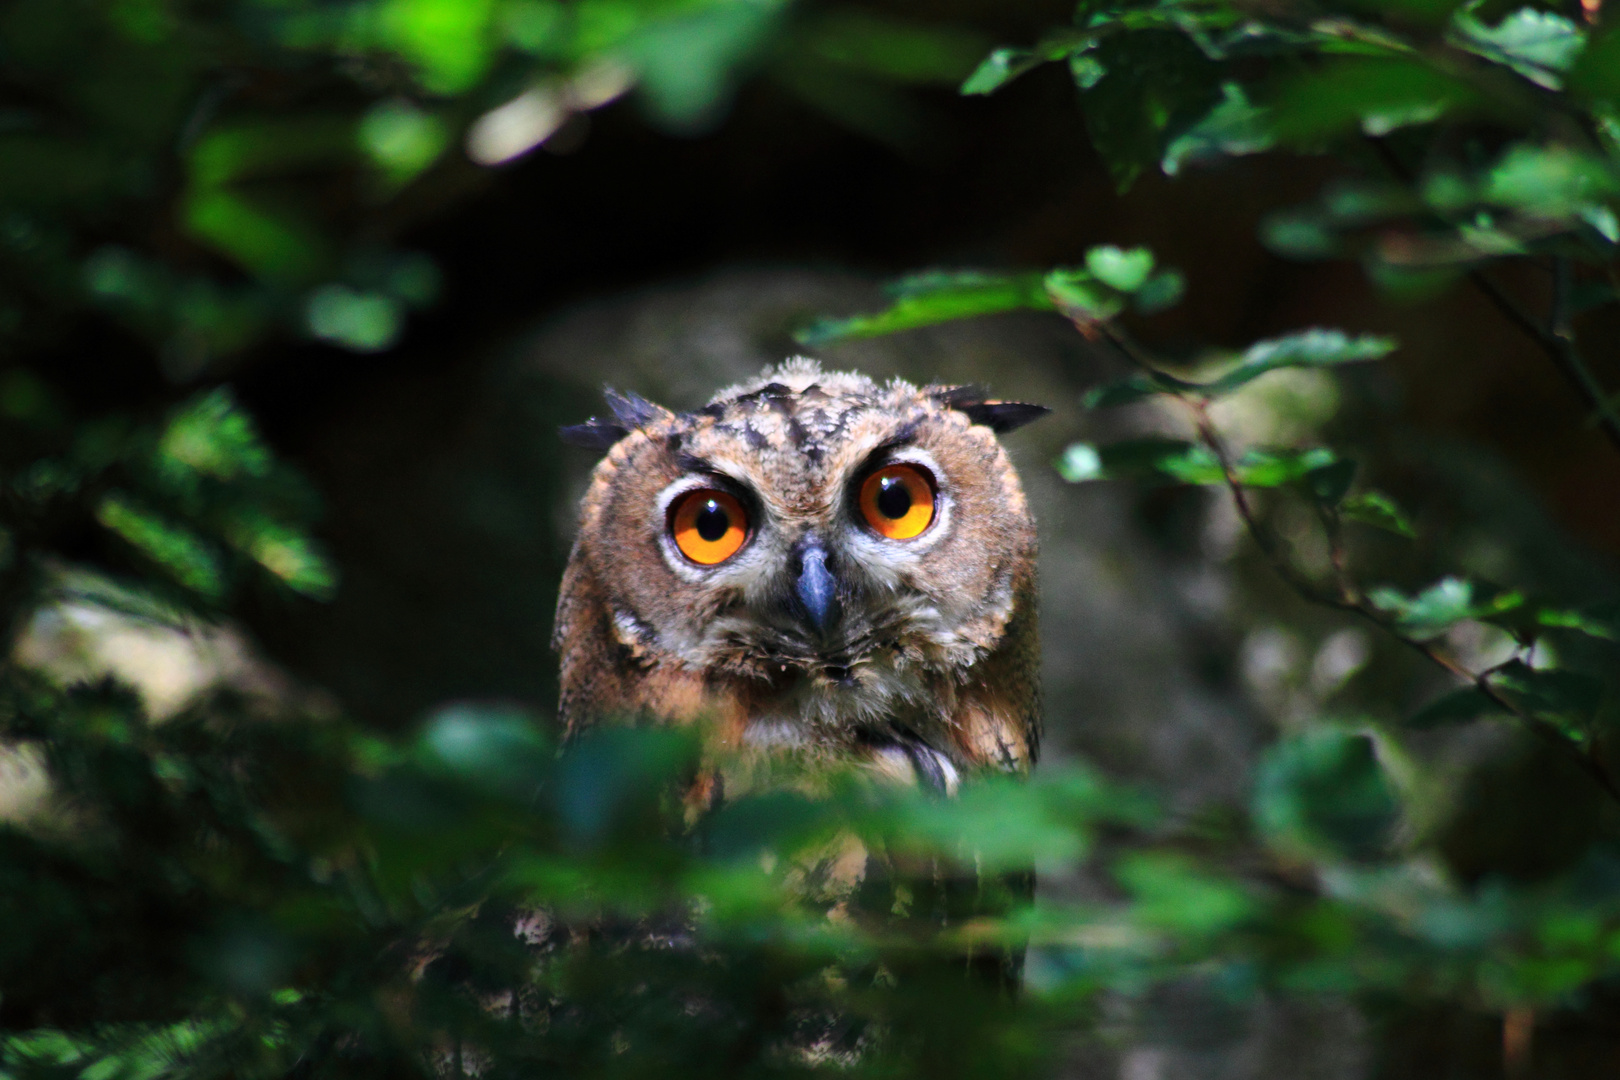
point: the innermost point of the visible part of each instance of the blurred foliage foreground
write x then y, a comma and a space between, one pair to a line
248, 886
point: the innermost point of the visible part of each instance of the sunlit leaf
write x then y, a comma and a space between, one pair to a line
214, 437
1536, 44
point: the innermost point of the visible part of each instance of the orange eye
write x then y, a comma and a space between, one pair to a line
898, 501
708, 526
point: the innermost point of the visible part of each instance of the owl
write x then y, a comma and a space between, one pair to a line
811, 563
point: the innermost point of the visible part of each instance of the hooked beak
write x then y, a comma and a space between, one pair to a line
817, 590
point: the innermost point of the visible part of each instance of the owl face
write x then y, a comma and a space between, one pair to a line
830, 546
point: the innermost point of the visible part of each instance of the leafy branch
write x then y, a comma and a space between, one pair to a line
1391, 616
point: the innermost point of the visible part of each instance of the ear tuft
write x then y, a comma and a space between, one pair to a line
631, 410
594, 434
999, 416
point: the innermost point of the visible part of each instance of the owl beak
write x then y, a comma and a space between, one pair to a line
817, 590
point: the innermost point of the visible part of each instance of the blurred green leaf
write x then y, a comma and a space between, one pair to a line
1378, 510
1326, 789
1596, 72
1567, 697
902, 51
213, 436
1601, 621
1233, 128
1179, 461
1442, 605
1372, 95
1126, 271
360, 321
1554, 181
1537, 44
1458, 706
1330, 483
186, 557
1172, 893
1080, 295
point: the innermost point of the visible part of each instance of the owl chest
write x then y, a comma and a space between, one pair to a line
799, 710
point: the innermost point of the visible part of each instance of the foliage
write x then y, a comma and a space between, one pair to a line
260, 888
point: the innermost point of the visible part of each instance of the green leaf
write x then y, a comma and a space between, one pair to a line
1126, 271
1442, 605
1537, 44
1596, 74
1601, 621
212, 436
363, 322
1078, 294
1378, 510
1000, 68
1161, 291
1129, 391
1374, 95
929, 299
1232, 128
1326, 789
1171, 893
1568, 698
1179, 461
1551, 181
1141, 89
1330, 483
1308, 348
187, 557
1455, 707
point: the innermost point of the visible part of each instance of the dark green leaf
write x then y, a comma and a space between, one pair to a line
1231, 129
1458, 706
1596, 73
1374, 96
1330, 483
1378, 510
1326, 789
1568, 698
1161, 291
1154, 85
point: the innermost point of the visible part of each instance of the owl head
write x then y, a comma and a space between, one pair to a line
831, 550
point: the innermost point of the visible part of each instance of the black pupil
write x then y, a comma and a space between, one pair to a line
894, 498
712, 520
